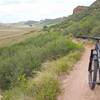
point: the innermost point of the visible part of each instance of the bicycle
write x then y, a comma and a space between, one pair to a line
94, 63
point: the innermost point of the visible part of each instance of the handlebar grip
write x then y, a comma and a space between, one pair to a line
88, 37
82, 37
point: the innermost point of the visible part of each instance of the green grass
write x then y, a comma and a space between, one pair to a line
46, 84
30, 69
26, 57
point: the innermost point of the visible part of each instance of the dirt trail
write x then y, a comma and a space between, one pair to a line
75, 86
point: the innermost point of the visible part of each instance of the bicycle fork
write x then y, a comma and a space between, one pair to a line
90, 61
98, 61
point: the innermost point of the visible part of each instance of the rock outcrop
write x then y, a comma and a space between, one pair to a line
96, 3
79, 9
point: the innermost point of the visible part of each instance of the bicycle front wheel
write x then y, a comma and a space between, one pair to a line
93, 74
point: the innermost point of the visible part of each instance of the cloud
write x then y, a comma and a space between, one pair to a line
18, 10
9, 2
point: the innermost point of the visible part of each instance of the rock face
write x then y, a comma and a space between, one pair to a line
96, 3
79, 9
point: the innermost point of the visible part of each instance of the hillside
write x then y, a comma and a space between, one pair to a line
86, 22
29, 69
41, 23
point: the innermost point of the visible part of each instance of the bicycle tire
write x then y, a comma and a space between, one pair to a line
93, 74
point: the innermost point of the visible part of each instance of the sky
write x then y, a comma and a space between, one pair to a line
23, 10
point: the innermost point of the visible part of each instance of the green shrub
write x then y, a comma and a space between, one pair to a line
46, 84
26, 57
96, 31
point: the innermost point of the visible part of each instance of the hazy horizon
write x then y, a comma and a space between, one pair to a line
12, 11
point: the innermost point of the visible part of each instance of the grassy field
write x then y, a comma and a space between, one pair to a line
12, 35
31, 60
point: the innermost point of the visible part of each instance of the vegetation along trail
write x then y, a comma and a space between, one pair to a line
75, 86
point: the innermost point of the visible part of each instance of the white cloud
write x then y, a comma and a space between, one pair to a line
17, 10
9, 2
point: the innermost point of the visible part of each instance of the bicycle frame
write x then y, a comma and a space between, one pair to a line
95, 53
98, 53
94, 63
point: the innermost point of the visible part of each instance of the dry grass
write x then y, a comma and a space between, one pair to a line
11, 35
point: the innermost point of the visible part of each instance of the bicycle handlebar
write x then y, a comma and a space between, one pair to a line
88, 37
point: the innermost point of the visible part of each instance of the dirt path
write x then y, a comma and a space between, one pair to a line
75, 86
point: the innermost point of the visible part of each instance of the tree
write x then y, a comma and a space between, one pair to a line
45, 28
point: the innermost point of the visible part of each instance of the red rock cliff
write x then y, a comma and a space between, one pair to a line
78, 9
